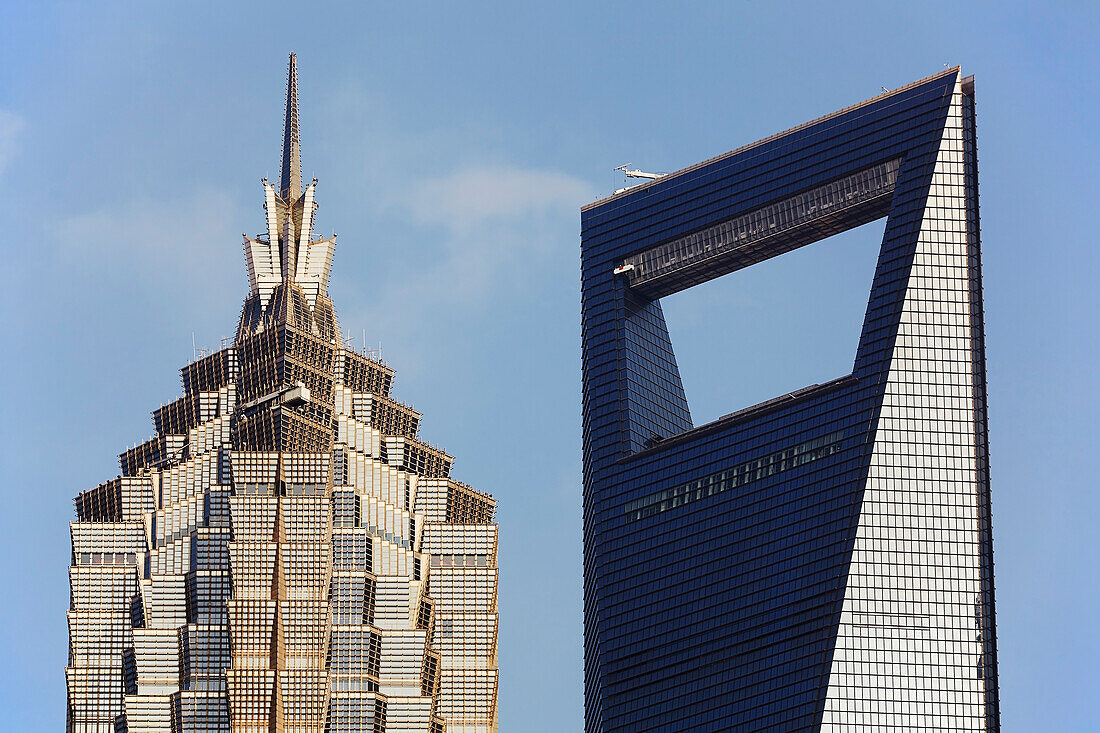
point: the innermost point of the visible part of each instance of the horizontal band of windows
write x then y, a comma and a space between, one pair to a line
269, 489
460, 561
708, 249
716, 483
107, 558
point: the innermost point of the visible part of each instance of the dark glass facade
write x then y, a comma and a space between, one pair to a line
823, 560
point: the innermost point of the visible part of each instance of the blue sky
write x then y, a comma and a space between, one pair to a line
454, 144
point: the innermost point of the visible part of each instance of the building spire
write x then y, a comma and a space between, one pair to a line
290, 184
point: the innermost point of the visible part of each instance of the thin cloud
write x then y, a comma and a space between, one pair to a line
475, 197
178, 232
176, 247
479, 233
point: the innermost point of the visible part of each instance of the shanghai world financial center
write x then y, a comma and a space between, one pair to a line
288, 555
822, 560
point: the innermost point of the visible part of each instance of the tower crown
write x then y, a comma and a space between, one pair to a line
288, 259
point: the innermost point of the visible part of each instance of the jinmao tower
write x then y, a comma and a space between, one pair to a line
821, 561
286, 554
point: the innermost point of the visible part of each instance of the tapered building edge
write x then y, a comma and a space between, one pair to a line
689, 623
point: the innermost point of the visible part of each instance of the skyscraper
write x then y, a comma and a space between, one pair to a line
822, 560
286, 554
